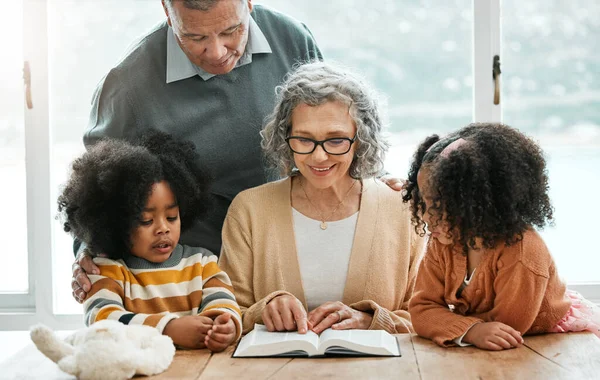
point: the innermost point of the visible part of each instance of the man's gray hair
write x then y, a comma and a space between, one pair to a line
201, 5
316, 83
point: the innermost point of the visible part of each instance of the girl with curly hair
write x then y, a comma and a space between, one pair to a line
129, 201
487, 277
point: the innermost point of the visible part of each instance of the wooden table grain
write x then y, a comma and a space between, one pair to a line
551, 356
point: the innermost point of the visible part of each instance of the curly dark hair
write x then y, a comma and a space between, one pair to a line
493, 187
110, 184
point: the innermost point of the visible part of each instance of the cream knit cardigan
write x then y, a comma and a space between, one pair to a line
259, 254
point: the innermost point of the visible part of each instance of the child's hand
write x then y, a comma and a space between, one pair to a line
222, 334
494, 336
189, 331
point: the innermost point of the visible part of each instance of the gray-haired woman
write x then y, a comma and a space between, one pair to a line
328, 239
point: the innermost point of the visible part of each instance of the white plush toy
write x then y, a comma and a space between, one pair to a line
107, 350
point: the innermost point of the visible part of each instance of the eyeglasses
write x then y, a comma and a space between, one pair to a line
335, 146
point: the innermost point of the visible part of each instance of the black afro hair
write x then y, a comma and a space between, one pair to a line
110, 184
494, 186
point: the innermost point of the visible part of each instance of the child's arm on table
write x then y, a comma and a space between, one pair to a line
105, 300
218, 303
431, 316
520, 289
224, 332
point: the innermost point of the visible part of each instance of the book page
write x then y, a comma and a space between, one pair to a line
370, 342
262, 342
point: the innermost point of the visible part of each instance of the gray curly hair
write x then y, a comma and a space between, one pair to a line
313, 84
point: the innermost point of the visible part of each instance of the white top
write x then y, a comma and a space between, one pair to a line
323, 256
468, 278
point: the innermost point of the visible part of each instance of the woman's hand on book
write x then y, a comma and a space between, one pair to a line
189, 331
338, 316
285, 313
494, 336
222, 333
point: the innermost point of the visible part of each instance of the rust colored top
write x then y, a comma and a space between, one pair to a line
517, 285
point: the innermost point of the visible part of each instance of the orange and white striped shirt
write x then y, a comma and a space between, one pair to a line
136, 291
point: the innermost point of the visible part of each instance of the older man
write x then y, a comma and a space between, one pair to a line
208, 74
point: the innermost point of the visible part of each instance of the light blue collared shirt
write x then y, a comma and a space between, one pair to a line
180, 67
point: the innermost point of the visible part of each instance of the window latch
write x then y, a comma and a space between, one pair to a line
27, 81
496, 76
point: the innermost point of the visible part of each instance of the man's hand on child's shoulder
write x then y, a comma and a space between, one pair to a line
80, 282
189, 331
393, 182
222, 334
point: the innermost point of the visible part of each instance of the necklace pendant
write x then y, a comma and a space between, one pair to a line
323, 225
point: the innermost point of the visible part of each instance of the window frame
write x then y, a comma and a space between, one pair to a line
20, 311
487, 42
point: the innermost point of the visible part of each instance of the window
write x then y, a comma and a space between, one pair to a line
430, 60
12, 157
85, 41
70, 45
551, 68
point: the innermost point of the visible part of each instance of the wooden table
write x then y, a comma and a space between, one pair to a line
551, 356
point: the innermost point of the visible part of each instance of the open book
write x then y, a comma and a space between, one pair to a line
262, 343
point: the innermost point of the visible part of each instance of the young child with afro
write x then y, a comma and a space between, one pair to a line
129, 202
487, 277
